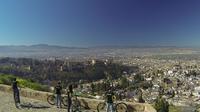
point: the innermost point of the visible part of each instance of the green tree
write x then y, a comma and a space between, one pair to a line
124, 82
161, 105
93, 88
138, 78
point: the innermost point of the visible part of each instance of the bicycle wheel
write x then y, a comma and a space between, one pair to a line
51, 99
65, 100
101, 107
121, 107
76, 106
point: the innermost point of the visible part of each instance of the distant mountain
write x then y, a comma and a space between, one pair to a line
46, 51
132, 46
38, 51
45, 46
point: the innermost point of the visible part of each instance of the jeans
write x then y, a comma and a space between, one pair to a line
58, 100
109, 107
16, 97
69, 105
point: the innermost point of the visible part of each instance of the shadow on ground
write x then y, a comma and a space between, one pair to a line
34, 106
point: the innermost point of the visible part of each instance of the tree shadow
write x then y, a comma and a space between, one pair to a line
34, 106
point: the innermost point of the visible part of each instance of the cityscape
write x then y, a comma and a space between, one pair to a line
135, 72
99, 56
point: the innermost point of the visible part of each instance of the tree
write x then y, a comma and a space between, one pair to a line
93, 88
138, 78
161, 105
124, 82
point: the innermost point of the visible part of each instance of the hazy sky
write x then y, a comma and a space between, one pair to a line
100, 22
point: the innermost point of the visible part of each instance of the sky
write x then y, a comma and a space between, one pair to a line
100, 22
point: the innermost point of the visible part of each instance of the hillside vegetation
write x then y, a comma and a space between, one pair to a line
24, 83
48, 72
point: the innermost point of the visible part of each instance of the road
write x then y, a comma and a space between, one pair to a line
28, 105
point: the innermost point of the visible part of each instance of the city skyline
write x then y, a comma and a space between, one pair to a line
97, 23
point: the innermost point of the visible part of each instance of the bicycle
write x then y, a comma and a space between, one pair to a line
51, 99
117, 107
76, 104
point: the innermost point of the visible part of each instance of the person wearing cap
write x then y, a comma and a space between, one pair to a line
58, 92
16, 93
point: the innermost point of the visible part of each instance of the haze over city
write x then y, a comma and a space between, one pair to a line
100, 55
84, 23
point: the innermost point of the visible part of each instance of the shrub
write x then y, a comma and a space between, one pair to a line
24, 83
161, 105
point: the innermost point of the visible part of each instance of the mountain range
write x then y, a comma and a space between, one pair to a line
47, 51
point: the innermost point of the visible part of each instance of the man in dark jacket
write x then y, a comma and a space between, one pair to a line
109, 101
16, 93
58, 91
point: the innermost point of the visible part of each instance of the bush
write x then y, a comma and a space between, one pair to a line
24, 83
6, 79
33, 85
161, 105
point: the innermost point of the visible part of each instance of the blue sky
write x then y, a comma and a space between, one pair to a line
100, 22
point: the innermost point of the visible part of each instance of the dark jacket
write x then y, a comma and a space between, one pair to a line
14, 85
109, 97
58, 89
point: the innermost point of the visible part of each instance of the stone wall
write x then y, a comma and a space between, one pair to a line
88, 103
132, 107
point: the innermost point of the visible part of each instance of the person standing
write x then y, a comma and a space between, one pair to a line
58, 91
16, 93
70, 88
69, 100
69, 97
109, 101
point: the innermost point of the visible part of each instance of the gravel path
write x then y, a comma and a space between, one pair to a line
28, 105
